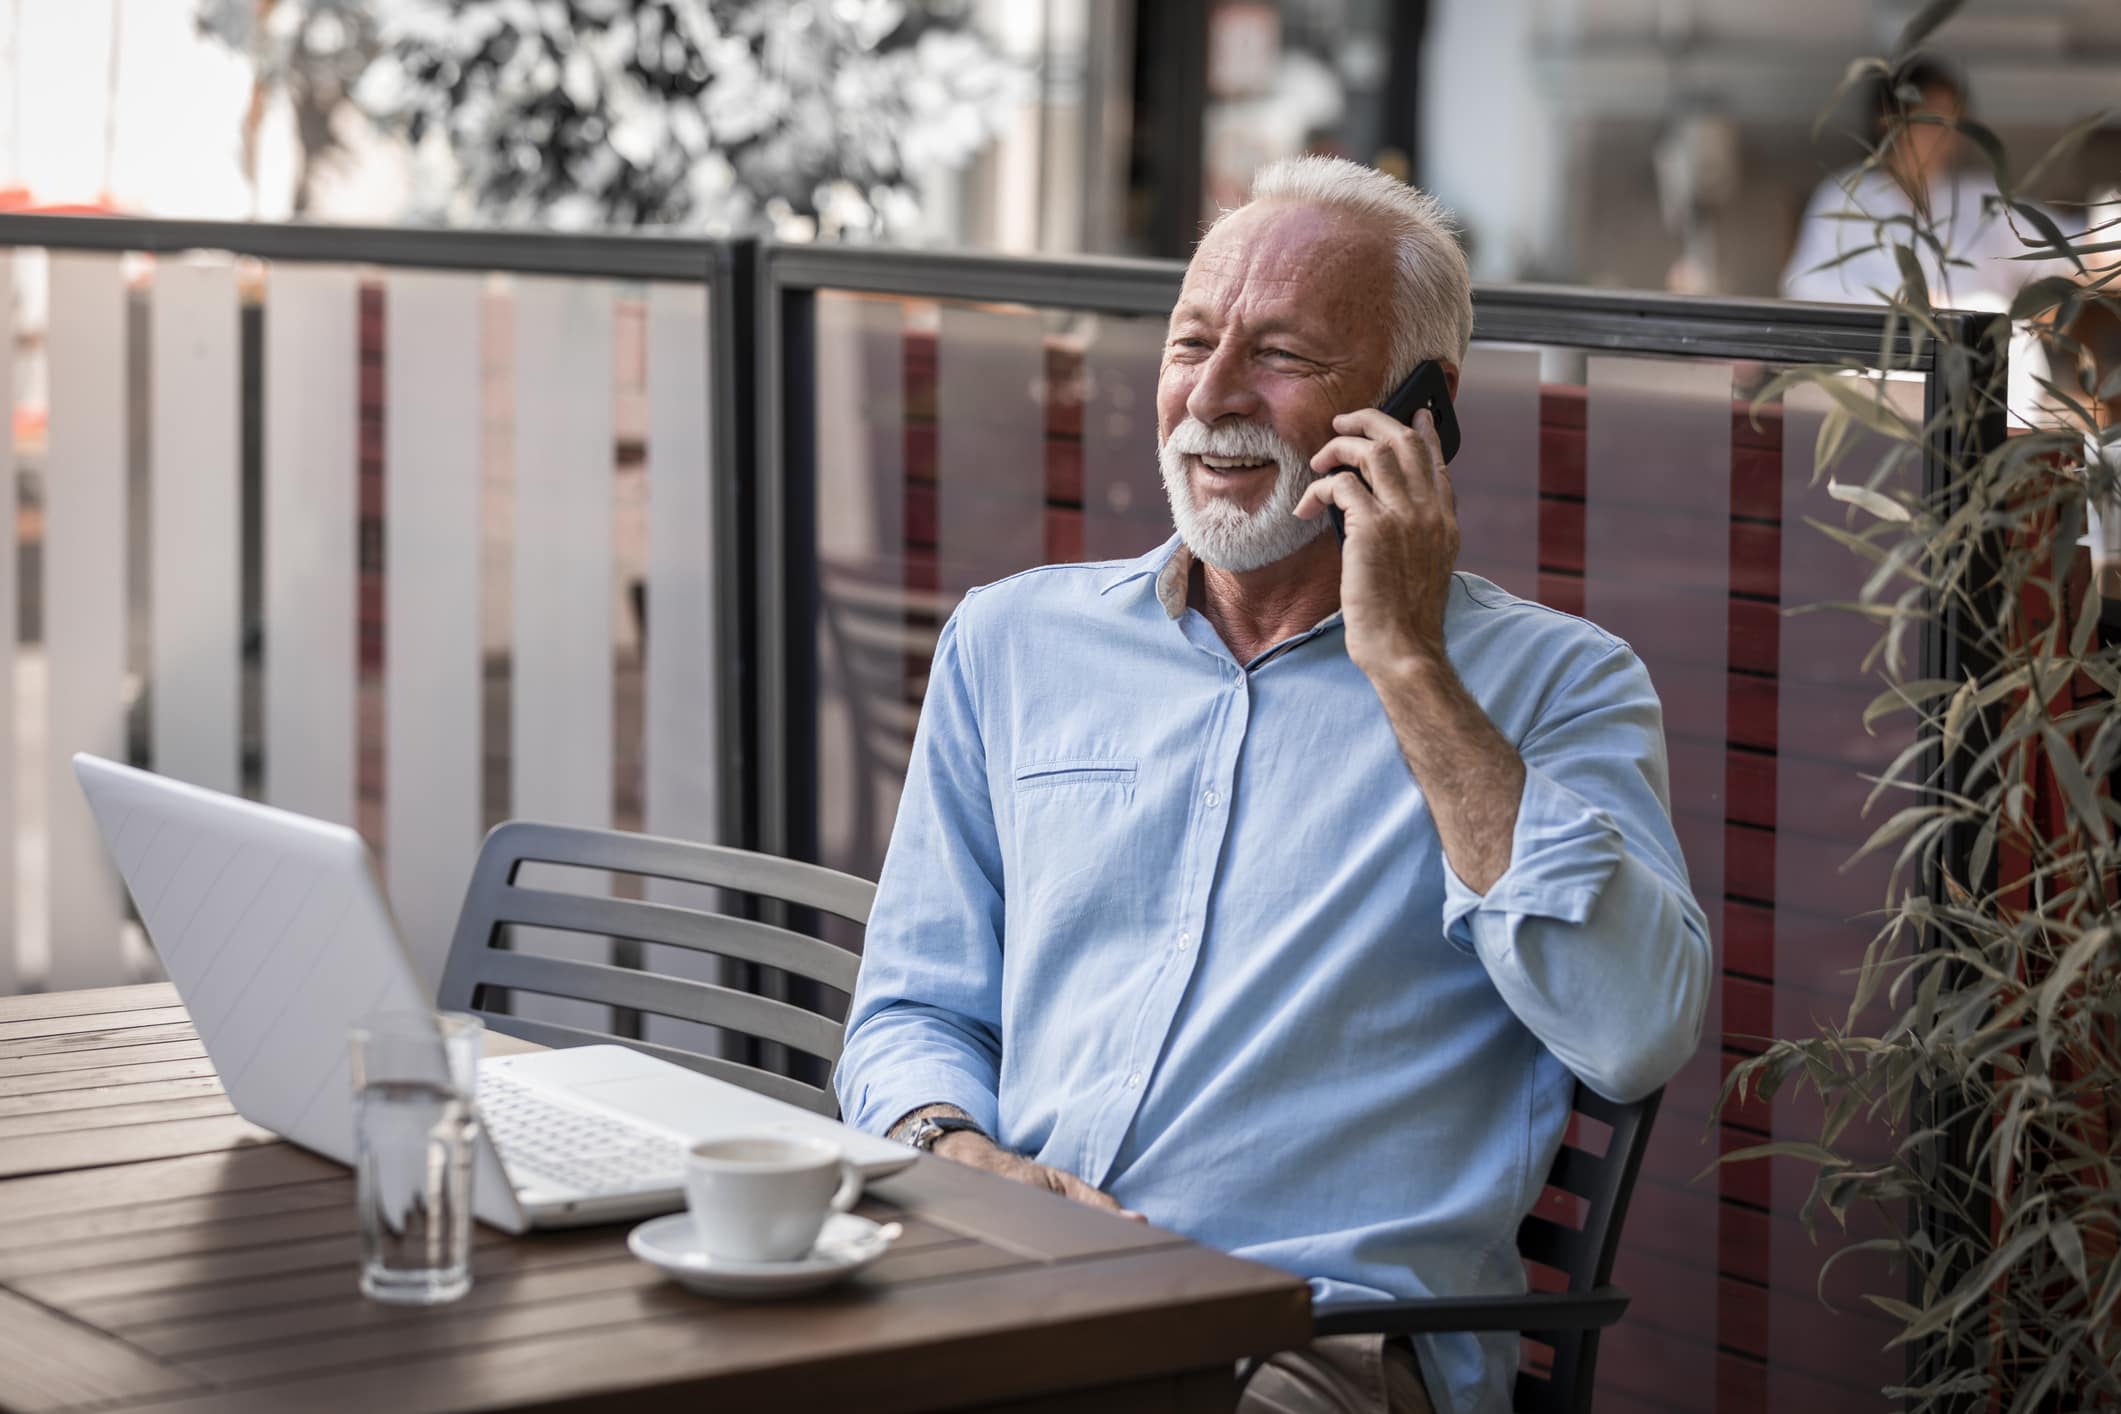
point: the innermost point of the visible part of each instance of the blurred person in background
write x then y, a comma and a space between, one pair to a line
1922, 179
1843, 257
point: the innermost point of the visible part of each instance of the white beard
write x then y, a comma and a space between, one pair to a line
1220, 532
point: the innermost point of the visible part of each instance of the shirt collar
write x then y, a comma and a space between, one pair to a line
1171, 565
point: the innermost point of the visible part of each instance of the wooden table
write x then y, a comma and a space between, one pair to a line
159, 1253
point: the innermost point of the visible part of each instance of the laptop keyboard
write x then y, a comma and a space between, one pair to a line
574, 1149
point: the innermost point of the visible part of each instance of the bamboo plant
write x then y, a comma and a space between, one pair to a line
1981, 1039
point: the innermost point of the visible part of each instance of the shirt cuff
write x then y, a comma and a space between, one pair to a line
1561, 854
904, 1089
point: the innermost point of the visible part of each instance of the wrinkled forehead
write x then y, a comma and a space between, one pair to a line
1283, 261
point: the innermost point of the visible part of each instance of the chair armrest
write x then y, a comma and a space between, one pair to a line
1534, 1311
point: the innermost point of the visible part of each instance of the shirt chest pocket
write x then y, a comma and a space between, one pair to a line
1078, 836
1098, 774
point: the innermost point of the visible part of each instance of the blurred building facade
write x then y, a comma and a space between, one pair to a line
1625, 143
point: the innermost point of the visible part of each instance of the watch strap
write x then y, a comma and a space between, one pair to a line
928, 1131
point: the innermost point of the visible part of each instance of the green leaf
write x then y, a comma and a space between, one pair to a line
1857, 71
2043, 223
2075, 959
1877, 503
1780, 1149
2069, 1246
2042, 295
1955, 716
1991, 146
1898, 1310
1869, 407
2069, 774
1902, 695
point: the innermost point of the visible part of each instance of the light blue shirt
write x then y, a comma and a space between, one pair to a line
1184, 927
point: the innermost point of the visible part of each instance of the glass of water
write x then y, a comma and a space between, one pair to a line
415, 1079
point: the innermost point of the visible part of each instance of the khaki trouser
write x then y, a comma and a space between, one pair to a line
1339, 1374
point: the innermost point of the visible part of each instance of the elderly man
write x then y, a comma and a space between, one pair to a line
1273, 890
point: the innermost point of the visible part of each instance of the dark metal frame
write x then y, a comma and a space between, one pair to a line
1950, 652
784, 479
726, 269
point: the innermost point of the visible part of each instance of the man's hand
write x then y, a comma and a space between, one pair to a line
979, 1152
1395, 582
1402, 536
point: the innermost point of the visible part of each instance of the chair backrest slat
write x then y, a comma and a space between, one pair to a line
744, 939
1577, 1171
1585, 1255
665, 996
518, 842
482, 964
1551, 1245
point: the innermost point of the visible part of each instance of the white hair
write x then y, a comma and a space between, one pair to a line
1433, 294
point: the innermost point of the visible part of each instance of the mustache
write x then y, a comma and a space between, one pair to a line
1229, 439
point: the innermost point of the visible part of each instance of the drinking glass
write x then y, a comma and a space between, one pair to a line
415, 1080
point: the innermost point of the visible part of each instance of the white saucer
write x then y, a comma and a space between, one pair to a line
845, 1245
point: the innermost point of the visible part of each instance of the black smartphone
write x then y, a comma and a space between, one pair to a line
1424, 388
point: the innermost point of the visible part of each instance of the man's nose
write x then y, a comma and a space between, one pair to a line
1221, 390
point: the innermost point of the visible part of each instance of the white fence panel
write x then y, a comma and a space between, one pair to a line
564, 585
431, 604
84, 606
312, 441
195, 554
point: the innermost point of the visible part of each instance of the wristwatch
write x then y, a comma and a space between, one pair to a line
930, 1128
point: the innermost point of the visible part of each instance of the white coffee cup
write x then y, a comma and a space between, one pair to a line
763, 1199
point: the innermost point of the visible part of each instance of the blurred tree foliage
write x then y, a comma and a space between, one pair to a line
718, 115
314, 51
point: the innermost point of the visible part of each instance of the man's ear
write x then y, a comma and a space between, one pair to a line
1450, 376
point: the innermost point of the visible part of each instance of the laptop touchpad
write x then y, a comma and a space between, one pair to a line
691, 1105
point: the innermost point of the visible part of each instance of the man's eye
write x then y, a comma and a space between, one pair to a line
1281, 353
1189, 343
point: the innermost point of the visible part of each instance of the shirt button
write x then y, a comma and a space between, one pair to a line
1185, 940
1211, 799
1134, 1081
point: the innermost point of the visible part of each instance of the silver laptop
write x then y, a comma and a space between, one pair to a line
276, 933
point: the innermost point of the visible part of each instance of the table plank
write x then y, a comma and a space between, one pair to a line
32, 1026
93, 1077
106, 1037
263, 1229
27, 1201
87, 1001
54, 1153
48, 1362
53, 1120
988, 1336
12, 1066
96, 1097
332, 1281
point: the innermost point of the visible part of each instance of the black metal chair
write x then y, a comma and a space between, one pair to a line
481, 968
1568, 1321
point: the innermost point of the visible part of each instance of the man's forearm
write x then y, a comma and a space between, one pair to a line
1469, 773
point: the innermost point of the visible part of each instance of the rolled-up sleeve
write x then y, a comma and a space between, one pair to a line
925, 1024
1592, 934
